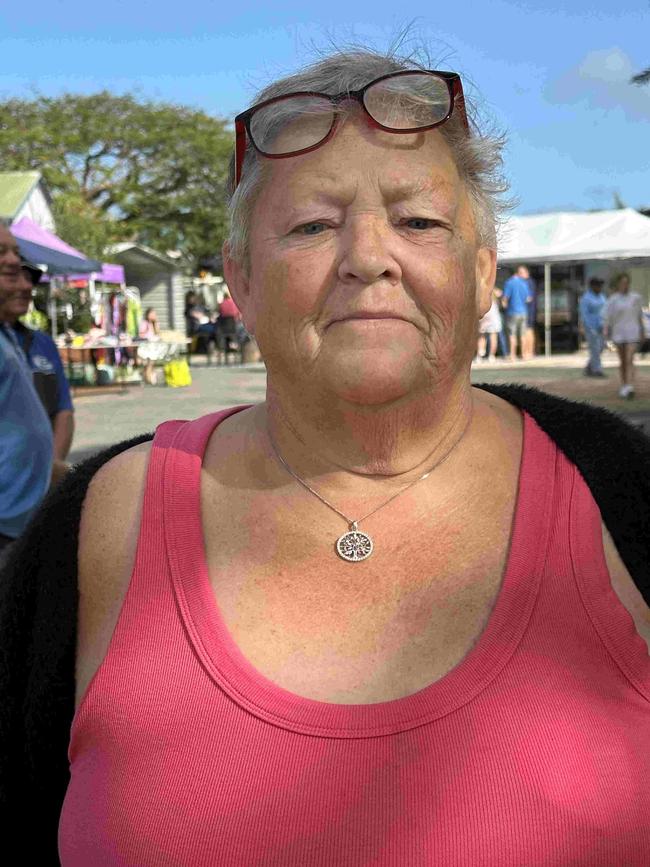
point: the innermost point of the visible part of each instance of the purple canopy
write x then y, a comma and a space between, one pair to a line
30, 231
45, 248
108, 274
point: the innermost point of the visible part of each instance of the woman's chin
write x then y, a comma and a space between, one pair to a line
372, 381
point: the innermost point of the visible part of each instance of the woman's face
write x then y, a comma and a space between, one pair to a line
366, 278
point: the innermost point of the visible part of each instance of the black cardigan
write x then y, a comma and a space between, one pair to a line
38, 604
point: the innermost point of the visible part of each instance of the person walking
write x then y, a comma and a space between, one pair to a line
623, 325
516, 298
592, 304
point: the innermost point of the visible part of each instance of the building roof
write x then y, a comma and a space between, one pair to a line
15, 189
116, 251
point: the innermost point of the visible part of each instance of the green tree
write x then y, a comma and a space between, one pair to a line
83, 225
124, 169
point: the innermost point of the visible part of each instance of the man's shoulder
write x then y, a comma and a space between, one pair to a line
15, 383
42, 342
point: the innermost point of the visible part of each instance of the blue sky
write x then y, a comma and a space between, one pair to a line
554, 77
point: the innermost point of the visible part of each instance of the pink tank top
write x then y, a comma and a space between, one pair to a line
533, 750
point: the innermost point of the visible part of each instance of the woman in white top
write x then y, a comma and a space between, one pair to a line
623, 325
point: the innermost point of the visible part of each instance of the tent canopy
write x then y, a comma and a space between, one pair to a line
45, 248
108, 274
571, 237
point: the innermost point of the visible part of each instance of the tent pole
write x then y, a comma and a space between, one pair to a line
52, 305
547, 309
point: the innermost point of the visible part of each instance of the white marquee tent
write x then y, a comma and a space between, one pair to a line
573, 237
567, 237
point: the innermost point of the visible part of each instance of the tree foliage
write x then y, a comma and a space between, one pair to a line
83, 225
119, 168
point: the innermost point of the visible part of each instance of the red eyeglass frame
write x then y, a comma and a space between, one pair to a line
242, 121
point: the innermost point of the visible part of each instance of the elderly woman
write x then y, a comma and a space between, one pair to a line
302, 639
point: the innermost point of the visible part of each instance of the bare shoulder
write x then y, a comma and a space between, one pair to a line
111, 505
626, 589
504, 419
108, 536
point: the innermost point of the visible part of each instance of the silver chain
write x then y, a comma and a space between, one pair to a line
350, 522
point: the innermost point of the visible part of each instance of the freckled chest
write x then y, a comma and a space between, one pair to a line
355, 632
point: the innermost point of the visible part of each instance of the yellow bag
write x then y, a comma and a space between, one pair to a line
177, 373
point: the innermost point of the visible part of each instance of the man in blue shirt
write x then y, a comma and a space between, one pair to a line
49, 378
25, 430
516, 296
591, 309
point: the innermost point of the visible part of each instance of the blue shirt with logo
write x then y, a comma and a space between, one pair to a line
45, 362
26, 443
516, 290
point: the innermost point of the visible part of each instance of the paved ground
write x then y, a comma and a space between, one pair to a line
103, 419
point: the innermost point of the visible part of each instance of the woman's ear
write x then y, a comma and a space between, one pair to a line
486, 275
238, 282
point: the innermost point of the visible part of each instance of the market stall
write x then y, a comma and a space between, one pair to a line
601, 241
102, 346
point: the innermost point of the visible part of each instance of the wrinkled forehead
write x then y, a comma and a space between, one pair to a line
357, 157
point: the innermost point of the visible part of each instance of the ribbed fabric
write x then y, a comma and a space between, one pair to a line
532, 752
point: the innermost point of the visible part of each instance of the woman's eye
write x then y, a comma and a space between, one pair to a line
311, 228
420, 223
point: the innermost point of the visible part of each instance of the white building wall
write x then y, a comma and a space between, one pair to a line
37, 209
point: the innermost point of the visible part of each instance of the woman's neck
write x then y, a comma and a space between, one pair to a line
400, 440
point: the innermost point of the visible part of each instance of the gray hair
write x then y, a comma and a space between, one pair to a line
478, 157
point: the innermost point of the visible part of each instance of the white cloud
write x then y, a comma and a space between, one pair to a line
602, 81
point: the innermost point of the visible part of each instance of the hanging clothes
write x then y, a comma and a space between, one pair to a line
133, 315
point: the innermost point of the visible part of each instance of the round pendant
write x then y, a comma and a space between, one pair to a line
354, 545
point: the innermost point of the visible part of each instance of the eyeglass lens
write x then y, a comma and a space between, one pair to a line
402, 102
408, 101
291, 124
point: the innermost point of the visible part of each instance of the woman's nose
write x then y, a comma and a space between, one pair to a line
367, 255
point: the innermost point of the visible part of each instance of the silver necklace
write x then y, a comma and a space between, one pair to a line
355, 545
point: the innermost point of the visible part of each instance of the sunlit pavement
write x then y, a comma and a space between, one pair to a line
106, 418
